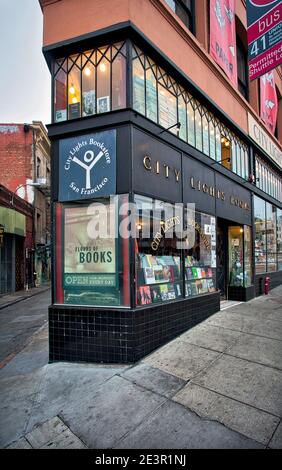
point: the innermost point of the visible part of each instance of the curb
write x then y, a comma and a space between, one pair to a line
12, 302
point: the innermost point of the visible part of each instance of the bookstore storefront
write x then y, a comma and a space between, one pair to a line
147, 240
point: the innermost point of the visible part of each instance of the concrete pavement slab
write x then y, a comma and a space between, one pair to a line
14, 418
105, 416
181, 359
66, 383
276, 441
245, 419
258, 349
210, 337
174, 427
268, 329
19, 386
245, 381
154, 379
53, 434
231, 320
26, 318
25, 363
247, 324
20, 444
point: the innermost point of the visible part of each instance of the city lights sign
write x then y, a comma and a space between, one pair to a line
87, 166
259, 136
264, 36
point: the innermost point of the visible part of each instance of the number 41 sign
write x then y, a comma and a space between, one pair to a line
264, 36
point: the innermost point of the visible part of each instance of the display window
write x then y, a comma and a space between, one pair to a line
200, 256
279, 238
158, 259
271, 237
267, 236
260, 235
92, 256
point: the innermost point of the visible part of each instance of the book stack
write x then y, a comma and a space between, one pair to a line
158, 278
198, 278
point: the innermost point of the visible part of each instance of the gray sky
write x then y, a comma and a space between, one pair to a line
25, 84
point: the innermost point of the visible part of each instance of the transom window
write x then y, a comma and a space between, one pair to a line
268, 180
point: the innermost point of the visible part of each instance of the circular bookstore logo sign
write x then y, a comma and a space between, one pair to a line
87, 166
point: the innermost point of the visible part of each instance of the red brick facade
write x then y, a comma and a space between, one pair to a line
24, 161
15, 155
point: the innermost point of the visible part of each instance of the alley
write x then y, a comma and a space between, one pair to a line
19, 321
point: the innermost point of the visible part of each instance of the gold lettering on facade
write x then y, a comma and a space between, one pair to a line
155, 167
194, 183
169, 223
198, 229
177, 174
166, 167
147, 162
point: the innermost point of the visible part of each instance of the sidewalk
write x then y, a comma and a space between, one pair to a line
219, 385
10, 299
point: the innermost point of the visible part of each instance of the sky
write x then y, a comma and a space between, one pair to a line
25, 82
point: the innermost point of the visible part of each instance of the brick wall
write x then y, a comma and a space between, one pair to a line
15, 157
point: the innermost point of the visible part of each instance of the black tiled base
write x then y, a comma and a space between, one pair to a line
81, 334
275, 281
243, 294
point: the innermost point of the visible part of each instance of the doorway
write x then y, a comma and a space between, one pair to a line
233, 256
221, 257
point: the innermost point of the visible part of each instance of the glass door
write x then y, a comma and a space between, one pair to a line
236, 256
221, 255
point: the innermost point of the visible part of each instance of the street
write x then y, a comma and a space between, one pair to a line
216, 386
19, 322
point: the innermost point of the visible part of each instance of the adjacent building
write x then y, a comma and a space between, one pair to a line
17, 247
144, 122
25, 176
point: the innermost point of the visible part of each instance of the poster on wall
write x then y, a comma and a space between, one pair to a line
268, 101
223, 36
264, 19
89, 259
87, 166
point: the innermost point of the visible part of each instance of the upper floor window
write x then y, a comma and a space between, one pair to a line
267, 179
184, 10
242, 70
160, 98
38, 167
90, 83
